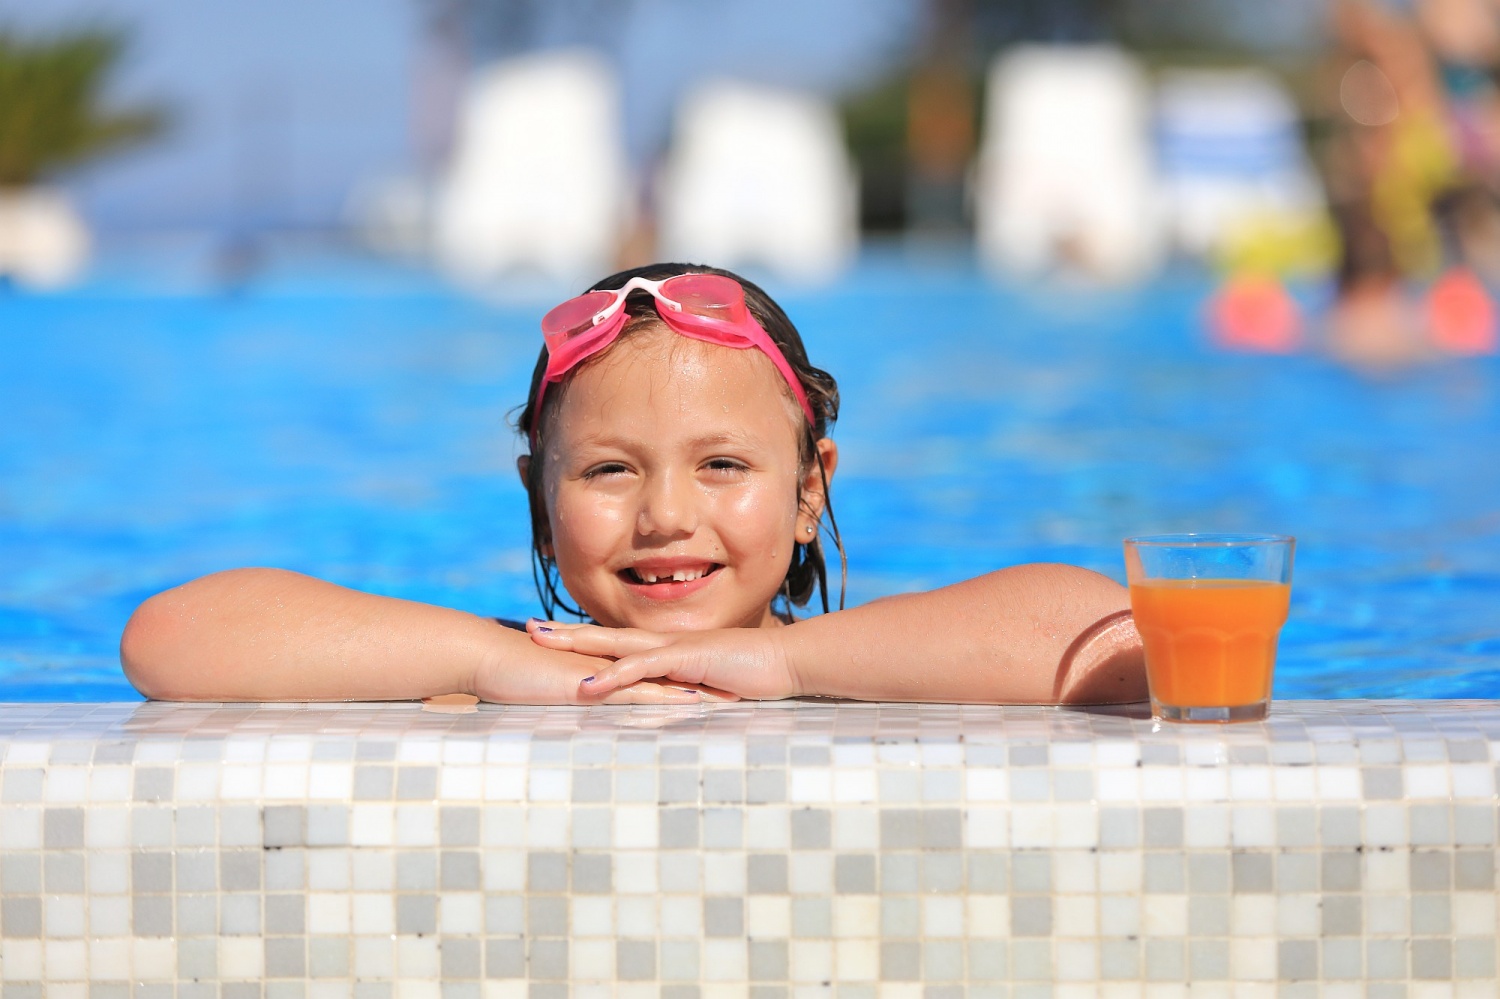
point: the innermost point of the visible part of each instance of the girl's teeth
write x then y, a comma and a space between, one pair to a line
679, 576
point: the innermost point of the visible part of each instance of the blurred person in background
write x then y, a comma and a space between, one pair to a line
1411, 167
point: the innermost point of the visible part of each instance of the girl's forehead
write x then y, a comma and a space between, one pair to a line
655, 374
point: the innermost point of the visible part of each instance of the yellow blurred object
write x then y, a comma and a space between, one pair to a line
1420, 163
1281, 244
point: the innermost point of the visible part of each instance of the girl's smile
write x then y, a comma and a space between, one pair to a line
671, 479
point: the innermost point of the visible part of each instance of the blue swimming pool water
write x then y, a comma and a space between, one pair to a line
348, 418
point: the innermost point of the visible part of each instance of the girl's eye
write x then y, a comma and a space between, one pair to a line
724, 465
607, 468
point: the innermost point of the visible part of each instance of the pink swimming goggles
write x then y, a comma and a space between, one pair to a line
708, 307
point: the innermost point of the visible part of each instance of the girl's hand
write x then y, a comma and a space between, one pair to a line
554, 678
737, 662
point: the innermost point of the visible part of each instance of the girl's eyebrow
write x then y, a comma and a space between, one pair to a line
723, 438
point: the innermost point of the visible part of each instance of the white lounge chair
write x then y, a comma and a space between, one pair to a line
539, 179
759, 176
1065, 173
1232, 156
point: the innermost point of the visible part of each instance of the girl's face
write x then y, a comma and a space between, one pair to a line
671, 484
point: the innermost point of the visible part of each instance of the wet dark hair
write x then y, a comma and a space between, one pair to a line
807, 570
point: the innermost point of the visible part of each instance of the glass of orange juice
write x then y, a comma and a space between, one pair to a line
1209, 608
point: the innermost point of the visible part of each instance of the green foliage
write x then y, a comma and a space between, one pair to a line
50, 115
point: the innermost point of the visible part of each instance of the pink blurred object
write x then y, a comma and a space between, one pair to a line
1255, 314
1461, 314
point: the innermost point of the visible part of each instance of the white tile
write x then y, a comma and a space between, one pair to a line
984, 828
504, 784
328, 912
856, 916
109, 960
330, 781
1297, 915
856, 829
592, 959
374, 957
152, 960
592, 917
373, 914
1338, 783
767, 829
417, 957
856, 960
416, 825
1076, 960
810, 960
1252, 958
1075, 915
240, 783
547, 827
768, 916
1164, 915
856, 785
461, 783
108, 784
286, 781
21, 960
811, 785
241, 957
635, 827
725, 961
987, 916
372, 824
942, 916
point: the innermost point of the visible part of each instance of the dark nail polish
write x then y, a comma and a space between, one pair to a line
543, 629
589, 679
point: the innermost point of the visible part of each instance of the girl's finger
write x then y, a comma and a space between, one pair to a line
634, 668
592, 640
653, 693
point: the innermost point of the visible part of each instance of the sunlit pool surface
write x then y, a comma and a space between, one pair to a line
348, 419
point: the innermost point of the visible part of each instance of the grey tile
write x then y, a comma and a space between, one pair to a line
1382, 783
1432, 960
811, 756
21, 916
416, 870
1251, 872
286, 870
286, 957
547, 916
593, 828
593, 873
900, 916
1385, 959
635, 960
154, 784
1030, 785
197, 870
1119, 827
854, 873
545, 990
812, 918
1431, 913
1028, 755
196, 826
198, 958
1031, 915
460, 989
504, 958
679, 962
1341, 960
766, 873
62, 828
723, 786
1031, 872
900, 829
458, 825
678, 828
1430, 825
151, 915
677, 786
198, 915
459, 957
366, 749
1431, 870
1341, 871
1165, 961
113, 990
763, 752
1208, 915
1163, 873
723, 828
150, 872
373, 782
1072, 785
1163, 827
900, 873
284, 825
416, 783
1343, 915
900, 961
592, 786
504, 915
943, 872
724, 917
328, 825
548, 959
1208, 960
459, 870
1340, 827
22, 990
1473, 825
151, 827
64, 873
681, 755
20, 873
1208, 873
1297, 960
547, 871
329, 956
942, 961
765, 786
1296, 872
681, 991
1474, 957
239, 914
987, 961
988, 873
416, 914
811, 829
942, 829
1296, 826
286, 913
239, 870
1474, 870
1119, 960
768, 960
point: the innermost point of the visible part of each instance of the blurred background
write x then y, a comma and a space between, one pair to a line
270, 276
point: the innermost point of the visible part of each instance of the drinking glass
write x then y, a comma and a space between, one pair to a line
1209, 608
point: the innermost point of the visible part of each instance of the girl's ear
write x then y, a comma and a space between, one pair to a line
814, 489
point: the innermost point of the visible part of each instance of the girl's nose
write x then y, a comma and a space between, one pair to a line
667, 507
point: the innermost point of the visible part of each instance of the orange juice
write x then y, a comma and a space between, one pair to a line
1209, 642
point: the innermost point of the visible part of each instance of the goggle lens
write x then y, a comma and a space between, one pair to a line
576, 315
709, 295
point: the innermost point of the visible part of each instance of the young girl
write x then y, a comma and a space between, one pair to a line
678, 477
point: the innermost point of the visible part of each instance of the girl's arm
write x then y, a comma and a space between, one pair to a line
272, 635
1028, 634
